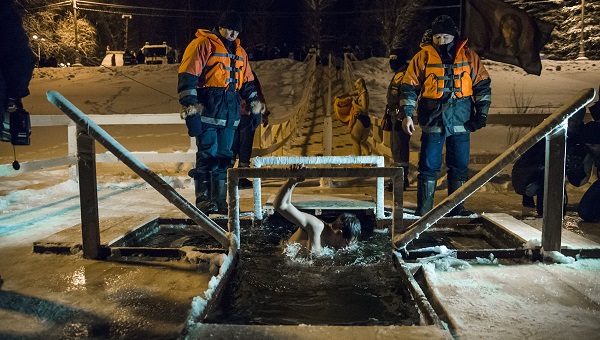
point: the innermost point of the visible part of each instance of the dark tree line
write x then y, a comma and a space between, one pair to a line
374, 26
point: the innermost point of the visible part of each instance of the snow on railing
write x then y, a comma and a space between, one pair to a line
378, 161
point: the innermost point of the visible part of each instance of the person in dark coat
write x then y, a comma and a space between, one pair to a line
527, 176
214, 76
244, 135
140, 57
17, 62
400, 141
453, 90
579, 166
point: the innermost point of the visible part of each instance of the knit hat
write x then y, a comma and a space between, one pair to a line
444, 25
398, 58
231, 20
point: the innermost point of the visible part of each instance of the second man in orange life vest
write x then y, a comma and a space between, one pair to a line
454, 94
214, 76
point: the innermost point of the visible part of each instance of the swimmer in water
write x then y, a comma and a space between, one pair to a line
313, 233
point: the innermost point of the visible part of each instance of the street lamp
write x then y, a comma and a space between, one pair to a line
581, 55
39, 40
77, 57
126, 17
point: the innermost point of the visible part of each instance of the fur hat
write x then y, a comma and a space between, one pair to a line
445, 25
231, 20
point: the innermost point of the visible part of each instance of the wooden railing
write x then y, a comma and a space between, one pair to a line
267, 139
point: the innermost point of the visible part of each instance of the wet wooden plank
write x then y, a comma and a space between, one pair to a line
527, 232
110, 229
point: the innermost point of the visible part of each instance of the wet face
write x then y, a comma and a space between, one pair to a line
228, 34
335, 237
442, 38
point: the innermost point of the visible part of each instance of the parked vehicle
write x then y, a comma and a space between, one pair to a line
158, 54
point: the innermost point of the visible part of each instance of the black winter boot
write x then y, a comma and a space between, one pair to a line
219, 196
528, 201
203, 200
425, 193
460, 209
539, 207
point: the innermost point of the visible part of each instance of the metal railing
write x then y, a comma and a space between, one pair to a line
377, 161
554, 130
233, 176
87, 132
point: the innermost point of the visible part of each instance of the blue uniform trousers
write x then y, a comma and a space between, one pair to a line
213, 157
457, 156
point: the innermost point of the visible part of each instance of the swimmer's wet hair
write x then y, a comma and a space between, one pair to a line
350, 226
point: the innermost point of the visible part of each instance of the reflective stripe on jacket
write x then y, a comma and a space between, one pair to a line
445, 92
216, 78
207, 58
440, 77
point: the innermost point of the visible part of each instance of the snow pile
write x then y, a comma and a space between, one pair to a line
557, 257
219, 263
33, 197
215, 260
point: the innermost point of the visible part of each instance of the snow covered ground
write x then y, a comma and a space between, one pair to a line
152, 89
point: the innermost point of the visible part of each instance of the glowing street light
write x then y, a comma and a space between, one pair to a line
126, 17
39, 44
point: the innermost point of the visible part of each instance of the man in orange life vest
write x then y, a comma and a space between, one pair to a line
454, 93
214, 76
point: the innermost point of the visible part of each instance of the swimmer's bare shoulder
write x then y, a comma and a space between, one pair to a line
300, 236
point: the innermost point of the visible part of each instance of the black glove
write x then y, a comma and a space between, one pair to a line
265, 118
254, 120
475, 123
193, 120
388, 122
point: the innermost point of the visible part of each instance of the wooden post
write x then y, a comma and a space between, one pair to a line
554, 186
398, 207
138, 167
88, 194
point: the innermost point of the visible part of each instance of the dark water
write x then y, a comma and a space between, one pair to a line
279, 285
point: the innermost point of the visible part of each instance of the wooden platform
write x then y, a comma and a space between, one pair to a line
226, 332
70, 239
528, 233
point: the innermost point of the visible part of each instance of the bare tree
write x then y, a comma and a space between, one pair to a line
56, 34
314, 21
259, 22
397, 20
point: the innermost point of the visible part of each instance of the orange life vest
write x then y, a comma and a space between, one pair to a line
220, 67
434, 85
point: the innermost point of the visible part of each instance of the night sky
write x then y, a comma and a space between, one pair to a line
348, 22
